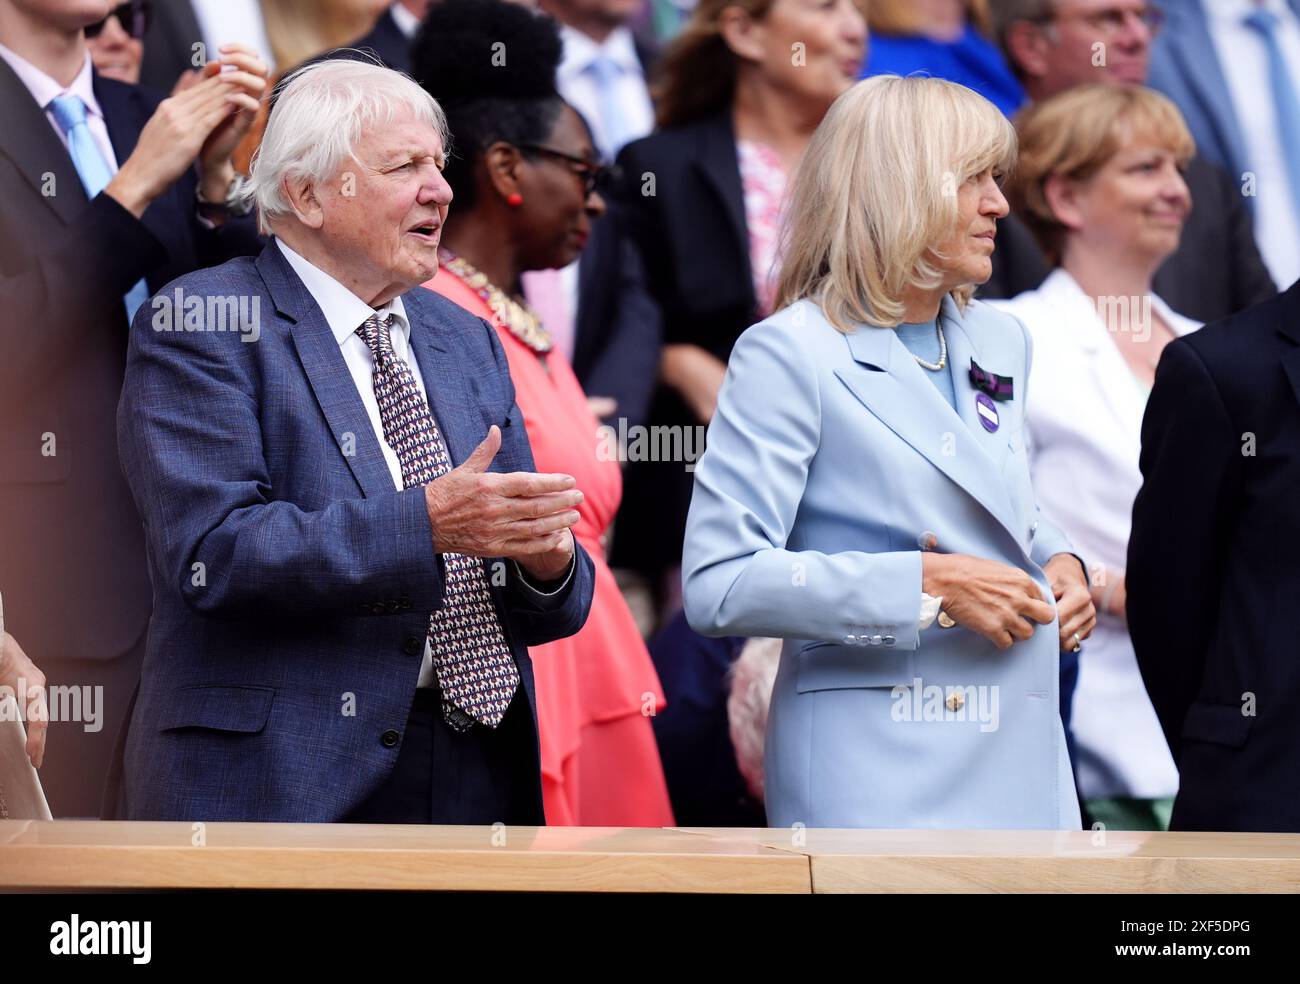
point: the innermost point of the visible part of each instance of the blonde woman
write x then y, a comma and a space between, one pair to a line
865, 494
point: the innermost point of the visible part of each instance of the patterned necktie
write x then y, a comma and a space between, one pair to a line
476, 672
88, 160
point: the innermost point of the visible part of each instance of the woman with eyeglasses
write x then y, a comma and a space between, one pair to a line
525, 175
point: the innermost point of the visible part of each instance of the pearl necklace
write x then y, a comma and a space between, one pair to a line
943, 350
517, 317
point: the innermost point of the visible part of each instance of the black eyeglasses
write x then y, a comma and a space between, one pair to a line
595, 175
134, 17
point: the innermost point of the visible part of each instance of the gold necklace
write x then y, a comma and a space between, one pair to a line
518, 318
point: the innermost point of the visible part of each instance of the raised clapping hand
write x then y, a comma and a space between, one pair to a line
521, 515
204, 122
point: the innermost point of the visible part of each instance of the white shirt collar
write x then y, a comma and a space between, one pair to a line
580, 51
406, 21
343, 310
44, 88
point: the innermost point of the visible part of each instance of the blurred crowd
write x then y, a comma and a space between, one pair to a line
1157, 189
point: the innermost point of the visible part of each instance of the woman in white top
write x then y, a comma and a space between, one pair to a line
1099, 183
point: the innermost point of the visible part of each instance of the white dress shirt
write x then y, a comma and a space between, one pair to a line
345, 313
230, 21
631, 95
1244, 60
45, 90
1083, 425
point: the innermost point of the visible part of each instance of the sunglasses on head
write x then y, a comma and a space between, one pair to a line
133, 16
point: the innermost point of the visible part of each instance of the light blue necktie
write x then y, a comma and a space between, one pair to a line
70, 113
605, 72
1286, 103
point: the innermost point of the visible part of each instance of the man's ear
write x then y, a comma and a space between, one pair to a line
1062, 196
301, 195
741, 33
501, 165
1028, 49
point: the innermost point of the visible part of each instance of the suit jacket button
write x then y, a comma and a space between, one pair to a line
390, 738
956, 700
413, 646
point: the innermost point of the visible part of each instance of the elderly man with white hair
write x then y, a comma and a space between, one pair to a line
350, 548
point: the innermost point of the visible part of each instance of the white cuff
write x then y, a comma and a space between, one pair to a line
929, 610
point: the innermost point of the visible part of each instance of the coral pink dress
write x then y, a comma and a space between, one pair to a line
595, 689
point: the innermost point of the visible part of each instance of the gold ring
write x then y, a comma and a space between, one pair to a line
945, 620
1078, 643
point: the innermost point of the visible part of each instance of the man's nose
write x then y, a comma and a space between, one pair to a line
436, 191
1135, 35
595, 204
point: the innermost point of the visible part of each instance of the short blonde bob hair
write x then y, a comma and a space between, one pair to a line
876, 193
1073, 134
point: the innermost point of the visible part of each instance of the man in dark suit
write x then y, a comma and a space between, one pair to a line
78, 234
1212, 573
393, 32
1050, 44
347, 572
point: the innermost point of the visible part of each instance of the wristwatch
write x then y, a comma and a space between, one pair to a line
235, 206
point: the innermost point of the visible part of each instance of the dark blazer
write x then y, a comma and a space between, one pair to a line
169, 44
1212, 572
686, 212
257, 465
388, 42
617, 332
1216, 270
72, 564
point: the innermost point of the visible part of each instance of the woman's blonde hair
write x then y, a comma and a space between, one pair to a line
1073, 134
876, 193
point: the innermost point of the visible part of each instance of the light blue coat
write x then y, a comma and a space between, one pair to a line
829, 458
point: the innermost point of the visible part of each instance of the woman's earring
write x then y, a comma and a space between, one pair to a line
514, 199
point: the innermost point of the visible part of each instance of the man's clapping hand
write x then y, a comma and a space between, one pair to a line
520, 515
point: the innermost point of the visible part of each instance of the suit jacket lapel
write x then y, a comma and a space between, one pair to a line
123, 115
1289, 327
1193, 47
38, 151
326, 370
456, 413
721, 172
898, 393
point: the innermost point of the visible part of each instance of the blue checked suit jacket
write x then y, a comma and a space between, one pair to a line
292, 584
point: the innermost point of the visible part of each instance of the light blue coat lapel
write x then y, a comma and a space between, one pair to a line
898, 394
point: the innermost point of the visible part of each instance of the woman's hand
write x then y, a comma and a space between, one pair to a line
998, 601
1073, 599
696, 374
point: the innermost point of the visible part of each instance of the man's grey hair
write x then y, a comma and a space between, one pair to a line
1004, 13
319, 113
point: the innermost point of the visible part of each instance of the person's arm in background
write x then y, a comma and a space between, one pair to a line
1190, 461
